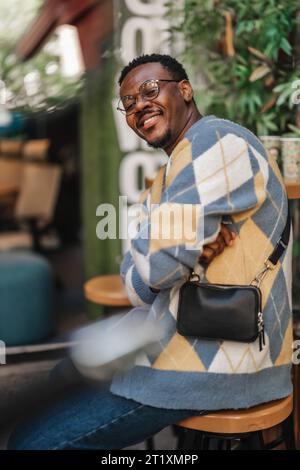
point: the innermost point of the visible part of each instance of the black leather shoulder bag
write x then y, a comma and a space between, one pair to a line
227, 312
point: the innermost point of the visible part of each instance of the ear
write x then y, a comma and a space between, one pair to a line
186, 90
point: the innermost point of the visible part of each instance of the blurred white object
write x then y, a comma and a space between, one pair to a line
71, 58
114, 344
5, 117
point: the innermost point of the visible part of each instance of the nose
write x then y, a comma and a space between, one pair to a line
141, 103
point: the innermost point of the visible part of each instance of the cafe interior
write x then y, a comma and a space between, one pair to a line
61, 152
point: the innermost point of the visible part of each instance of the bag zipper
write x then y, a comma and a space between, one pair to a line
261, 330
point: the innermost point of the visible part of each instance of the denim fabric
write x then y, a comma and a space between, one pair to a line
92, 418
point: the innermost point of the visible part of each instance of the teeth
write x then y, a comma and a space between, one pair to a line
149, 119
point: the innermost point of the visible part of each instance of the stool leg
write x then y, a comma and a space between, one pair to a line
220, 444
181, 435
288, 433
205, 445
150, 443
198, 440
228, 444
224, 444
253, 441
189, 440
261, 439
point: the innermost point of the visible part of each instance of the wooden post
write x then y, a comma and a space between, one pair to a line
100, 158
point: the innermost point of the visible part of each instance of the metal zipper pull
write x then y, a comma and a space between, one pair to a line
261, 331
194, 277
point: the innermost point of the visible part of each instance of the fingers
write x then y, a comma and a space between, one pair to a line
207, 255
224, 238
220, 242
216, 247
227, 235
213, 249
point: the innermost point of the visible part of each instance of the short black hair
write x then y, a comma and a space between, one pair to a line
172, 65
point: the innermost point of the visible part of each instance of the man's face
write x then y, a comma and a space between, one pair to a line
159, 121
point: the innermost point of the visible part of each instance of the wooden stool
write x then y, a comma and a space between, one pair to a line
107, 290
245, 425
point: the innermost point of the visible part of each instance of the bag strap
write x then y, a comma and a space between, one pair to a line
280, 247
283, 241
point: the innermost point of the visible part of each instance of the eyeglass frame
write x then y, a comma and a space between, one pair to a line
123, 111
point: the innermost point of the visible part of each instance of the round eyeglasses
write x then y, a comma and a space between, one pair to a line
149, 90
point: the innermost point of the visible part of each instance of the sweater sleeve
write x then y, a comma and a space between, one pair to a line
138, 292
211, 176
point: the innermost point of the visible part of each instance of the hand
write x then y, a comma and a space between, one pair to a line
211, 250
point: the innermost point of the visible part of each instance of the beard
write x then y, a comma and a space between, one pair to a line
162, 142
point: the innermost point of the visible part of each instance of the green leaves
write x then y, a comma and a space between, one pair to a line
285, 46
244, 87
294, 129
266, 123
286, 91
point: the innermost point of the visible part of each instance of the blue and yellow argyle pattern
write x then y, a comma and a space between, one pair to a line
223, 172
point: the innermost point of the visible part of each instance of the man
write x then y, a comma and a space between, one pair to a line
222, 170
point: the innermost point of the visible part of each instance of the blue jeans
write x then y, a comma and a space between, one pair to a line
93, 418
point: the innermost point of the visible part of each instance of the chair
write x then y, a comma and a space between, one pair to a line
11, 172
10, 180
34, 206
11, 148
244, 427
36, 150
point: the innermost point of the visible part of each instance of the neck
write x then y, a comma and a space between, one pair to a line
193, 117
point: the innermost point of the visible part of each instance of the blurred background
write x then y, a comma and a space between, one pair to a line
64, 148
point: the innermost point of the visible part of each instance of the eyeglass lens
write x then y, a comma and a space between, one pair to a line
148, 90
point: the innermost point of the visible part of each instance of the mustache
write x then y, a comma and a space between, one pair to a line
143, 113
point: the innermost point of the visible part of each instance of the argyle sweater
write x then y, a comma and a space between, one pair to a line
223, 172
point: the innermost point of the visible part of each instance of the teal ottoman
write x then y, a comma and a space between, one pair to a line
26, 298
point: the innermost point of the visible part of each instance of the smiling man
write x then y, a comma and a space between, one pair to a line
223, 172
163, 109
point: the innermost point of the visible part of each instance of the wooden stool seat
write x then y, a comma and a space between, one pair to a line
6, 189
248, 420
107, 290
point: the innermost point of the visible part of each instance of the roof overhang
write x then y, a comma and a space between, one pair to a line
93, 18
